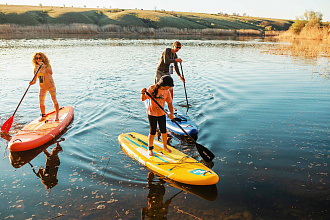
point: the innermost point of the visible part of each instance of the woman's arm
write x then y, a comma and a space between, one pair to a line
49, 69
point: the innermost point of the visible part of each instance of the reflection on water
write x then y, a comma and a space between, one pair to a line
157, 209
314, 52
206, 192
47, 173
262, 115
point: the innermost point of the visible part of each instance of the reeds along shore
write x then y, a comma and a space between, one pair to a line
308, 33
311, 42
95, 29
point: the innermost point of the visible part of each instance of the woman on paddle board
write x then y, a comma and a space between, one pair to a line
160, 92
46, 82
166, 62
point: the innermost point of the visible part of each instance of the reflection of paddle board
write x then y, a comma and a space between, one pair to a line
183, 120
38, 132
20, 158
209, 193
176, 165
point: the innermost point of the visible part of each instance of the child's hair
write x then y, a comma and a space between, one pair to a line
45, 59
155, 91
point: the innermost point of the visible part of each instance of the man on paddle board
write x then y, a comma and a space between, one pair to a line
160, 92
168, 58
46, 82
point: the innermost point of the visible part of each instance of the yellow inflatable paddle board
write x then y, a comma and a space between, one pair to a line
176, 165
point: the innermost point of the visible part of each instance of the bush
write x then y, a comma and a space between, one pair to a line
268, 28
298, 25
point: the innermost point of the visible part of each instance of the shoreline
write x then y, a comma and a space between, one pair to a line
88, 29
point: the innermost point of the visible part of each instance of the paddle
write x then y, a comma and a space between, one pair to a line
33, 169
184, 85
170, 199
7, 125
205, 153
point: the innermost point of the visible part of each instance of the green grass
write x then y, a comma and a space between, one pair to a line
39, 15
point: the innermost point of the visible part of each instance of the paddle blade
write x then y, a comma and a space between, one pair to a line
7, 125
205, 153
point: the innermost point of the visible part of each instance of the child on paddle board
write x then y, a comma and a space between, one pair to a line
46, 83
168, 58
160, 92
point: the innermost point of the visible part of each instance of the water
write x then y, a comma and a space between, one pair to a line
265, 117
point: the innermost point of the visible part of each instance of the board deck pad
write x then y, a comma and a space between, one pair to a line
176, 165
37, 133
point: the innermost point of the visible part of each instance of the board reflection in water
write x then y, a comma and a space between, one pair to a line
46, 173
158, 208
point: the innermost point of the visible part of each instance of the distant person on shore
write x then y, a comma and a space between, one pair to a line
46, 82
160, 92
166, 62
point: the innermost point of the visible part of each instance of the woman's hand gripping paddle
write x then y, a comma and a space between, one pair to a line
205, 153
7, 125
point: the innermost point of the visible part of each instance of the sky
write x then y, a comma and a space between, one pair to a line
283, 9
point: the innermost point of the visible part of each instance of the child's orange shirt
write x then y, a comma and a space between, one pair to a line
162, 96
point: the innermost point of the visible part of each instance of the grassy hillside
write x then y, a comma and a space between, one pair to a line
44, 15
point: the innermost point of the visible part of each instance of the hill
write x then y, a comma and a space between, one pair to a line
48, 15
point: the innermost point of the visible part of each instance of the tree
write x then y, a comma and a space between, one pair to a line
313, 16
309, 19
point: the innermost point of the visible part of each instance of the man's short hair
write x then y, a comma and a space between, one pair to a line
177, 44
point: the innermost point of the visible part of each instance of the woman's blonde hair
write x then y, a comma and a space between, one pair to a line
45, 59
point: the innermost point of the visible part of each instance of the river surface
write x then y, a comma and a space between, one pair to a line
264, 116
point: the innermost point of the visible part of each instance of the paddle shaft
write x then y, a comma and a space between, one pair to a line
33, 169
175, 195
27, 89
184, 86
7, 125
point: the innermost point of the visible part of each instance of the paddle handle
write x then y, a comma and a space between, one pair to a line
169, 117
27, 89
